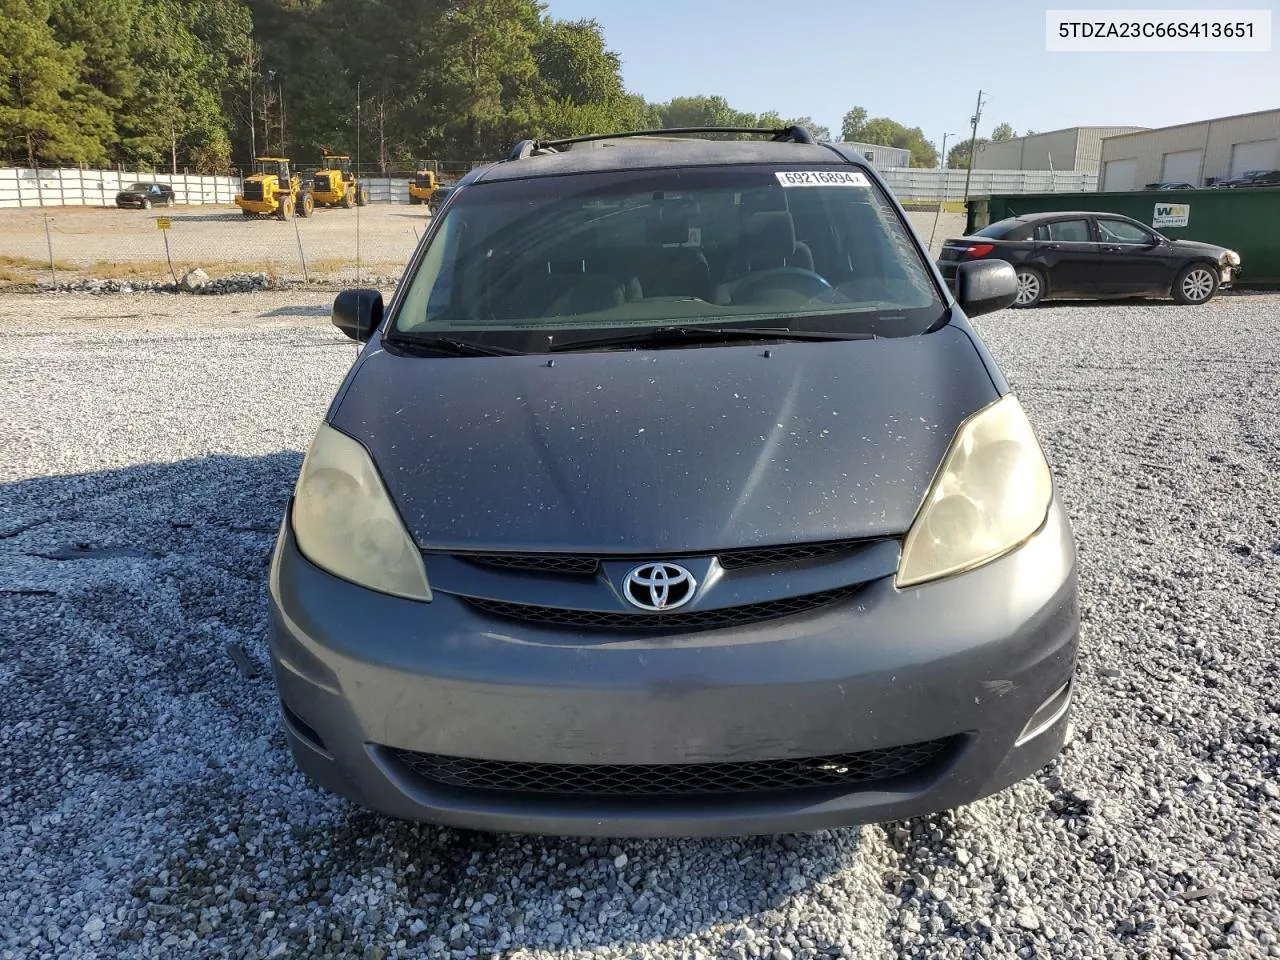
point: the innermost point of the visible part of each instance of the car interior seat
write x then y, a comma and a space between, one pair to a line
670, 270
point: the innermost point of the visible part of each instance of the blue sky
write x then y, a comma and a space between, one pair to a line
922, 62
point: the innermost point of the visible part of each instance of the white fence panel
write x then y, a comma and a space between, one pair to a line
26, 187
917, 183
387, 189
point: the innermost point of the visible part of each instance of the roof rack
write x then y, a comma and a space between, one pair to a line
531, 148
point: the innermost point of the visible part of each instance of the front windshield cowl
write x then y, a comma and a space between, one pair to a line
525, 263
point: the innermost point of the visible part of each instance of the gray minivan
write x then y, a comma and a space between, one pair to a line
673, 494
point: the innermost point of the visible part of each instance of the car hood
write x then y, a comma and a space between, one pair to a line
673, 451
1211, 249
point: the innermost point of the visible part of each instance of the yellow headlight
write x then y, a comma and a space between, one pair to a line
992, 492
345, 522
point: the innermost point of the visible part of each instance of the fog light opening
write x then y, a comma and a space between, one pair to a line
1047, 714
302, 730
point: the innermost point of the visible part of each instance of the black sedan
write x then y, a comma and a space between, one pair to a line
1250, 178
144, 196
1085, 254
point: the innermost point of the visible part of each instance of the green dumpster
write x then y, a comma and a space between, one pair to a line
1247, 219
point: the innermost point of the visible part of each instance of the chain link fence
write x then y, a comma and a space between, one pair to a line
72, 235
81, 246
62, 227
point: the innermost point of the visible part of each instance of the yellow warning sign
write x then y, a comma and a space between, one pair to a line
163, 223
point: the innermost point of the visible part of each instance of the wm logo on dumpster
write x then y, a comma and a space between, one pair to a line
1171, 215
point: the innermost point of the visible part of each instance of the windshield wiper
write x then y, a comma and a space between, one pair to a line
451, 345
693, 333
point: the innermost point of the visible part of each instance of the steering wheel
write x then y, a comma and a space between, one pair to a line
799, 280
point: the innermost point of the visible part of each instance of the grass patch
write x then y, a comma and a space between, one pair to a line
30, 263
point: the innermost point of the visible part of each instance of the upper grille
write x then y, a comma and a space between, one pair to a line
253, 190
676, 779
676, 620
535, 562
790, 553
736, 559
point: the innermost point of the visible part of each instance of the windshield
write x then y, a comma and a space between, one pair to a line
521, 263
139, 187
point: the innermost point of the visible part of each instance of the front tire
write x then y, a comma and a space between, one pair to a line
348, 199
1196, 284
1031, 287
285, 210
362, 197
306, 205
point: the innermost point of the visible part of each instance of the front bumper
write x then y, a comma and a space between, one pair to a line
971, 658
257, 206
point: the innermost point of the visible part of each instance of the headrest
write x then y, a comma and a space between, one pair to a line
770, 233
670, 225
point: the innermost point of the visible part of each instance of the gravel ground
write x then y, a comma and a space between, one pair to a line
149, 808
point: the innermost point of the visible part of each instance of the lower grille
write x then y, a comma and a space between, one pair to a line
676, 620
676, 779
322, 184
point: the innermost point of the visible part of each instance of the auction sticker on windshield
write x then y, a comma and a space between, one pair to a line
821, 178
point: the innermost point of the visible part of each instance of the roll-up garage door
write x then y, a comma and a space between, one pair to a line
1120, 175
1254, 155
1183, 165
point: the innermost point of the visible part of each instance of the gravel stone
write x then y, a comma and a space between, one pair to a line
148, 445
1027, 919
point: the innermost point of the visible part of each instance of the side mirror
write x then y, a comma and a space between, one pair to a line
357, 313
985, 286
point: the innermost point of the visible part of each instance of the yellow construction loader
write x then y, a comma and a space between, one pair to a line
423, 186
336, 184
272, 190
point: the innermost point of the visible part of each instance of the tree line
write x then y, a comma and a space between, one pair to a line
207, 84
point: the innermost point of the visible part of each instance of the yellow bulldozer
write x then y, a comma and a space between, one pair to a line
272, 190
336, 184
423, 186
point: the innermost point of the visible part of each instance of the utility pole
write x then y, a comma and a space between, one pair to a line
266, 114
273, 76
973, 144
253, 134
942, 166
280, 81
249, 66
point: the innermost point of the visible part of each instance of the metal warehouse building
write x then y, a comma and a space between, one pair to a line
881, 156
1197, 153
1074, 148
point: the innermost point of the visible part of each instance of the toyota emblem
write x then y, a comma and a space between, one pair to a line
659, 586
